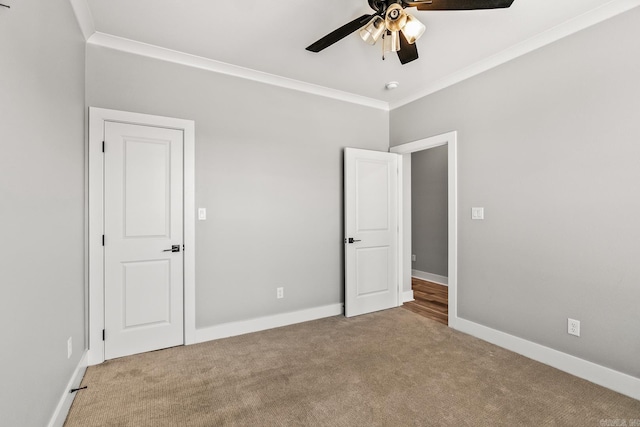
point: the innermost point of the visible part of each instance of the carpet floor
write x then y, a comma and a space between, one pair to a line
390, 368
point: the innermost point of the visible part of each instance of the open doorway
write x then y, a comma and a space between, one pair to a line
429, 234
407, 270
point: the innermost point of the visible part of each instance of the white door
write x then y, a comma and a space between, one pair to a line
371, 228
143, 209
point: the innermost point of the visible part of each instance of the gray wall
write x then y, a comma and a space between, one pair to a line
268, 168
41, 207
429, 210
549, 145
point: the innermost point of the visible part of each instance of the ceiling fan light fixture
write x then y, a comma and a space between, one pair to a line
395, 17
372, 32
413, 29
400, 30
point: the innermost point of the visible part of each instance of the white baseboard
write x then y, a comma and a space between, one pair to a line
606, 377
407, 296
62, 410
435, 278
268, 322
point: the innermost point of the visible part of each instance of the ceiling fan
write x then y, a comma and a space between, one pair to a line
399, 30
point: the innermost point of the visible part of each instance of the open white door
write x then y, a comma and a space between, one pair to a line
371, 231
143, 228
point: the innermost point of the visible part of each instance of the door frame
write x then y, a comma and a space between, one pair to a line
450, 139
95, 195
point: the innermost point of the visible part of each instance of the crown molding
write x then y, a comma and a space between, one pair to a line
595, 16
84, 17
164, 54
601, 13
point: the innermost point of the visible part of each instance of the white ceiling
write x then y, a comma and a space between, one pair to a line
271, 36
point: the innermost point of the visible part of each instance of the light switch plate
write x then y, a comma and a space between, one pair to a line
477, 213
202, 214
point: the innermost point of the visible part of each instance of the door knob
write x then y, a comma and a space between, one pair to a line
174, 248
351, 240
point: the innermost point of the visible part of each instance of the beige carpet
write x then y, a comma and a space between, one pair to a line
391, 368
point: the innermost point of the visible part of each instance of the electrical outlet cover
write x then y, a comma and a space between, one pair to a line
573, 327
477, 213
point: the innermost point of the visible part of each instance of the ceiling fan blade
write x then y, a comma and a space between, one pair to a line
340, 33
408, 52
460, 4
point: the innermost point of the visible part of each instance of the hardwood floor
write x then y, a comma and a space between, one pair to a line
431, 300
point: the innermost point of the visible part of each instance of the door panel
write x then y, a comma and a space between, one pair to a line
146, 293
147, 208
143, 219
372, 195
371, 220
373, 270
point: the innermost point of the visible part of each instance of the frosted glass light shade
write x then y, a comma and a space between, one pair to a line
371, 32
391, 41
413, 29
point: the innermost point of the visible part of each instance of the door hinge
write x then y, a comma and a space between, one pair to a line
103, 240
103, 334
103, 146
